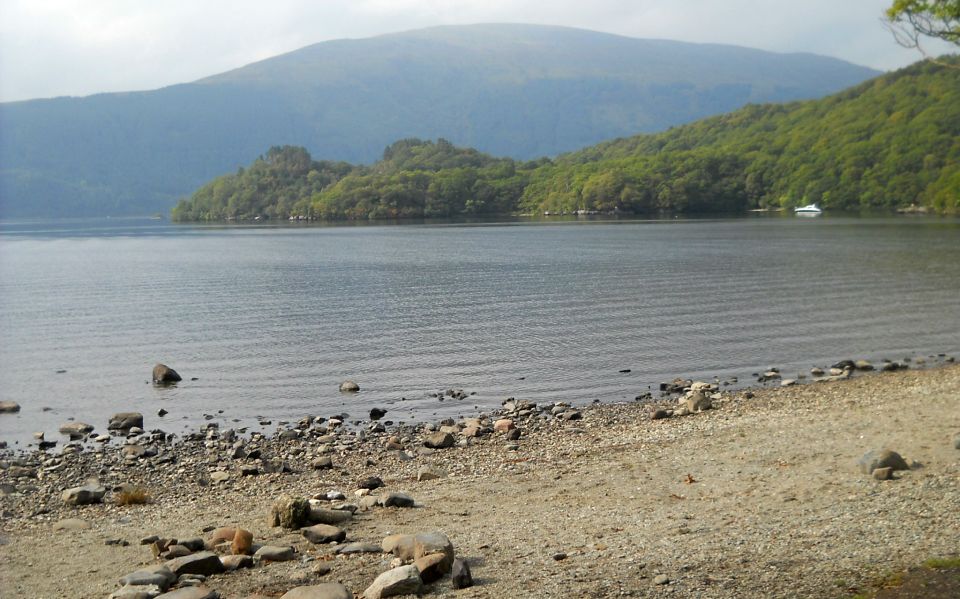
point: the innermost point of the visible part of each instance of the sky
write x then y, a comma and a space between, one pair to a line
54, 48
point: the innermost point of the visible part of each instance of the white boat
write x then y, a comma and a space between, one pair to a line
808, 210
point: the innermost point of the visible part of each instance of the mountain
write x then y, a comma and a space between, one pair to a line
516, 90
890, 142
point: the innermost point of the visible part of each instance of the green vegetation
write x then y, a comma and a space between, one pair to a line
511, 90
913, 19
891, 142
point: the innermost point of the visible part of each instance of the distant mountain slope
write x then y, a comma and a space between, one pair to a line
514, 90
886, 143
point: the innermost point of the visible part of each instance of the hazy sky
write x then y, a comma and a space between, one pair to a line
78, 47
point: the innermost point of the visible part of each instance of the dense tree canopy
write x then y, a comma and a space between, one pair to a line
913, 19
891, 142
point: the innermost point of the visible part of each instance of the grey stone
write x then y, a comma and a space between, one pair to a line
439, 440
219, 476
198, 592
401, 546
881, 458
235, 562
351, 548
460, 575
404, 580
660, 414
164, 375
327, 590
429, 473
9, 407
698, 402
124, 421
883, 473
396, 499
71, 524
160, 575
203, 562
76, 428
323, 463
84, 495
274, 553
349, 387
661, 579
863, 365
433, 542
323, 533
136, 592
318, 515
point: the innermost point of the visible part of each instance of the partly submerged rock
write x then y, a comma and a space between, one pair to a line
164, 375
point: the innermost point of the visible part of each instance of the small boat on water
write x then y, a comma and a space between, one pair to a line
808, 210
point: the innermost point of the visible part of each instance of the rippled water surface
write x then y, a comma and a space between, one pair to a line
270, 320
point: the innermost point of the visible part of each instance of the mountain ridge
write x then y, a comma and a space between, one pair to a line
549, 90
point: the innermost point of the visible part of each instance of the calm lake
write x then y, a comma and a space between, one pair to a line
271, 319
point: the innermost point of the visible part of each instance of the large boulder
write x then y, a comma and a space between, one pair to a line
404, 580
164, 375
430, 543
327, 590
9, 407
290, 512
881, 458
85, 495
124, 421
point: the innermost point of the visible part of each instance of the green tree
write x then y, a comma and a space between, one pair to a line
911, 20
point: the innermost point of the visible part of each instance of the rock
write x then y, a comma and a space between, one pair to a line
124, 421
862, 365
133, 452
956, 442
460, 575
175, 551
433, 542
570, 414
136, 592
471, 431
323, 463
85, 495
503, 425
377, 413
290, 512
432, 567
660, 414
318, 515
371, 483
160, 575
242, 543
327, 590
429, 473
198, 592
439, 440
396, 499
220, 535
883, 473
203, 562
349, 387
73, 524
9, 407
661, 579
816, 371
881, 458
351, 548
235, 562
219, 476
844, 365
274, 553
323, 533
788, 382
698, 402
401, 546
404, 580
76, 428
559, 556
164, 375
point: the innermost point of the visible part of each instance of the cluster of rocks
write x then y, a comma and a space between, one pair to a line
696, 397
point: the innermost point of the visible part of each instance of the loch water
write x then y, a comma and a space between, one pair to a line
270, 319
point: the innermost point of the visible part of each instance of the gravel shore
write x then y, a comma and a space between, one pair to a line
759, 497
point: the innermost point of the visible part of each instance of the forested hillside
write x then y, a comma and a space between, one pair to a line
890, 142
513, 90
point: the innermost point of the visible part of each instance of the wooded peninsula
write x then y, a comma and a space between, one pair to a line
891, 142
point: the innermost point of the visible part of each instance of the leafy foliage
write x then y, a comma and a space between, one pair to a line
893, 141
912, 19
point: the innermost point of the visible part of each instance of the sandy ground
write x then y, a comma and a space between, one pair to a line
759, 498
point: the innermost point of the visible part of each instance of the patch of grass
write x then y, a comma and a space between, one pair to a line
942, 563
133, 496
